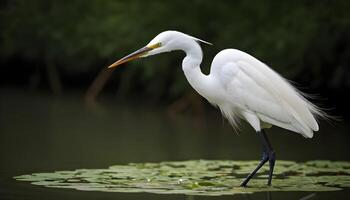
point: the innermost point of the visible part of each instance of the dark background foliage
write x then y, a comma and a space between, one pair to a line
62, 45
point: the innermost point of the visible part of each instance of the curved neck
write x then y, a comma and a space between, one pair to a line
191, 67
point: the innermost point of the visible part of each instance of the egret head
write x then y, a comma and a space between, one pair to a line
163, 42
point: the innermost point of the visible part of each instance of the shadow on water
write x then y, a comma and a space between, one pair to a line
40, 133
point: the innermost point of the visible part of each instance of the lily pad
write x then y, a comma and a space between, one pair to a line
199, 177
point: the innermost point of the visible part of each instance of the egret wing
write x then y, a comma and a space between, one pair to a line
260, 90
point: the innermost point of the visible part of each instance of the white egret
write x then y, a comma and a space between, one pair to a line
242, 87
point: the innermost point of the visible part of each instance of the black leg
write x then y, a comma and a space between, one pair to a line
267, 155
272, 160
247, 179
271, 155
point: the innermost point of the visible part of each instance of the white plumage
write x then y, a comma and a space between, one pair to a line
242, 87
257, 93
239, 84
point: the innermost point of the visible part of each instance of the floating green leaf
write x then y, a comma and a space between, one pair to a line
199, 177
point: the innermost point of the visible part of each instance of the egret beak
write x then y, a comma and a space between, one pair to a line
131, 56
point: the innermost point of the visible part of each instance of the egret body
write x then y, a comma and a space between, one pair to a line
242, 87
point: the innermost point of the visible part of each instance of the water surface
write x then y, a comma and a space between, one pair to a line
41, 133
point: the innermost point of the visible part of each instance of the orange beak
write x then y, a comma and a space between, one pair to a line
132, 56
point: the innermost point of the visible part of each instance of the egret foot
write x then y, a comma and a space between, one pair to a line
267, 155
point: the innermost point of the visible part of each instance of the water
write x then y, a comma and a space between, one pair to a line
41, 133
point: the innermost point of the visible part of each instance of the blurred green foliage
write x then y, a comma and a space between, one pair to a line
303, 40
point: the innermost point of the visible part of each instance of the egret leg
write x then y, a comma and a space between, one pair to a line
271, 155
268, 154
251, 175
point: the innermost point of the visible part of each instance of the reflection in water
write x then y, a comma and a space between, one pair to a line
309, 196
269, 196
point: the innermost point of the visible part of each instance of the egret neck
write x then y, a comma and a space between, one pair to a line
191, 67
